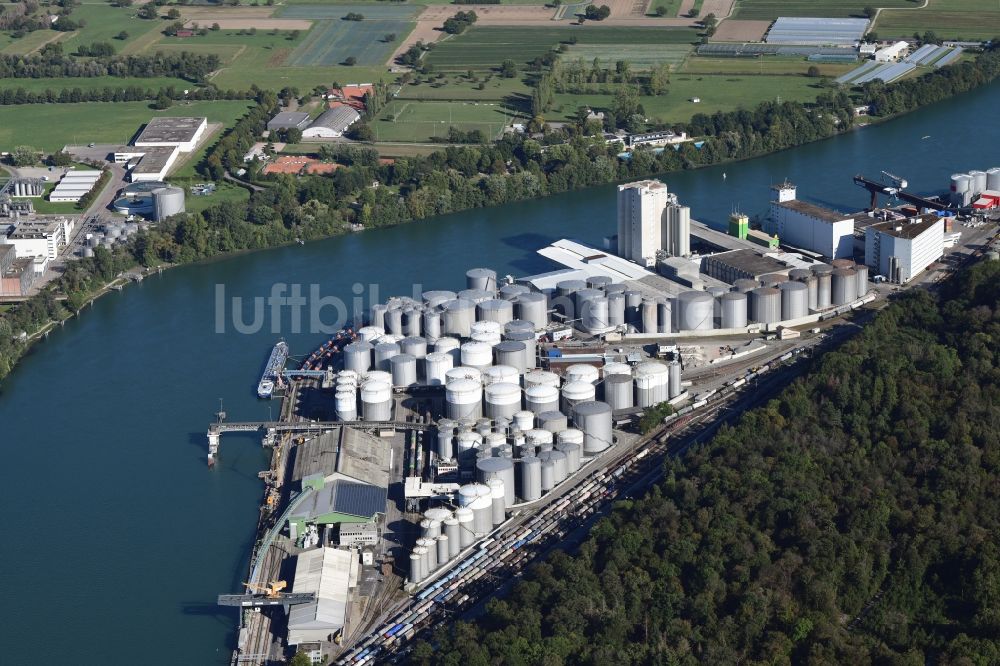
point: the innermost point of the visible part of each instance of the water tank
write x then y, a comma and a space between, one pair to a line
463, 398
394, 321
978, 184
415, 346
844, 286
511, 353
533, 307
673, 379
553, 421
616, 309
404, 370
466, 534
993, 179
495, 310
498, 498
861, 279
733, 310
540, 378
541, 398
358, 356
695, 311
595, 314
436, 364
765, 305
346, 402
524, 420
451, 530
432, 325
481, 278
574, 392
376, 401
458, 317
650, 383
477, 355
510, 292
502, 400
498, 468
167, 201
618, 391
384, 351
594, 419
531, 479
450, 346
794, 300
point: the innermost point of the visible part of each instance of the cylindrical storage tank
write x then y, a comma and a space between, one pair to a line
570, 436
530, 345
581, 372
733, 310
594, 419
616, 368
616, 309
477, 355
464, 398
511, 291
462, 372
458, 317
394, 321
496, 309
495, 440
599, 281
842, 263
581, 296
993, 179
559, 463
961, 183
531, 479
358, 356
548, 473
377, 376
824, 291
540, 378
436, 364
430, 529
489, 469
978, 185
492, 327
346, 401
574, 392
745, 285
446, 439
633, 304
794, 300
415, 346
595, 314
468, 493
384, 351
540, 399
466, 444
540, 439
466, 533
443, 551
665, 315
765, 305
450, 346
376, 319
476, 295
502, 400
432, 325
695, 311
844, 286
167, 201
553, 421
432, 558
411, 322
437, 297
511, 353
497, 498
404, 370
533, 307
618, 391
501, 374
376, 401
416, 566
451, 530
862, 279
371, 333
773, 279
518, 326
490, 339
673, 380
651, 379
572, 449
524, 420
569, 287
482, 515
481, 278
649, 317
800, 274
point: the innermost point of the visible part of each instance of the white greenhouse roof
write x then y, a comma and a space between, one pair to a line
819, 31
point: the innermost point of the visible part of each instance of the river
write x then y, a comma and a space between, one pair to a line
118, 538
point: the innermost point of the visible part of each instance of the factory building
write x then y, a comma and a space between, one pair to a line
741, 265
347, 472
16, 275
332, 123
650, 221
74, 185
158, 146
330, 574
902, 249
808, 226
40, 237
289, 120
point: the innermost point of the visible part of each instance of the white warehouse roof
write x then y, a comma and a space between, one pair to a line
330, 573
817, 31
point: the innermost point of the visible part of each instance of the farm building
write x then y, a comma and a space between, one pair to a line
817, 31
891, 53
289, 120
332, 124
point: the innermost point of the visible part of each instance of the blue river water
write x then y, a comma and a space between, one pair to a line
117, 537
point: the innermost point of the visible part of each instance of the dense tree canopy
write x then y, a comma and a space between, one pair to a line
852, 520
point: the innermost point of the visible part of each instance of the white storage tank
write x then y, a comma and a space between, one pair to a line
510, 292
553, 421
733, 310
794, 300
404, 370
436, 365
511, 353
495, 310
466, 531
765, 305
618, 391
541, 398
481, 278
415, 346
416, 567
488, 469
477, 355
432, 325
443, 551
463, 398
376, 401
824, 288
532, 307
446, 439
616, 309
502, 399
540, 378
649, 317
559, 462
548, 473
531, 479
524, 420
861, 278
411, 322
467, 443
437, 297
458, 317
167, 201
695, 311
451, 530
615, 368
673, 380
651, 378
358, 356
462, 372
530, 345
844, 286
993, 179
450, 346
384, 351
501, 374
497, 499
581, 372
594, 419
979, 179
540, 439
346, 401
574, 392
394, 321
595, 313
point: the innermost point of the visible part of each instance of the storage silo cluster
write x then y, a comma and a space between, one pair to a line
966, 188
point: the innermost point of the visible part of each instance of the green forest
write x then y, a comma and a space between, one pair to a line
851, 520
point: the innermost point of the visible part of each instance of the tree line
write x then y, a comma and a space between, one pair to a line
14, 96
50, 62
851, 520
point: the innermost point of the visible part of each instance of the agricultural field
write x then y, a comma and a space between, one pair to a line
224, 193
772, 65
100, 122
768, 10
417, 122
950, 19
639, 56
459, 88
672, 7
332, 40
484, 48
30, 43
57, 84
717, 93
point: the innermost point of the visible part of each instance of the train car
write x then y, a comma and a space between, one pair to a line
392, 632
739, 382
785, 356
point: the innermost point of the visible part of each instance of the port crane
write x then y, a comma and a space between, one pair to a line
894, 190
266, 594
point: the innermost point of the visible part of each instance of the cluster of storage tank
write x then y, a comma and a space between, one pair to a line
967, 187
773, 298
112, 233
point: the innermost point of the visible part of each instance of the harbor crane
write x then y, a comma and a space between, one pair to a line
894, 190
266, 594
